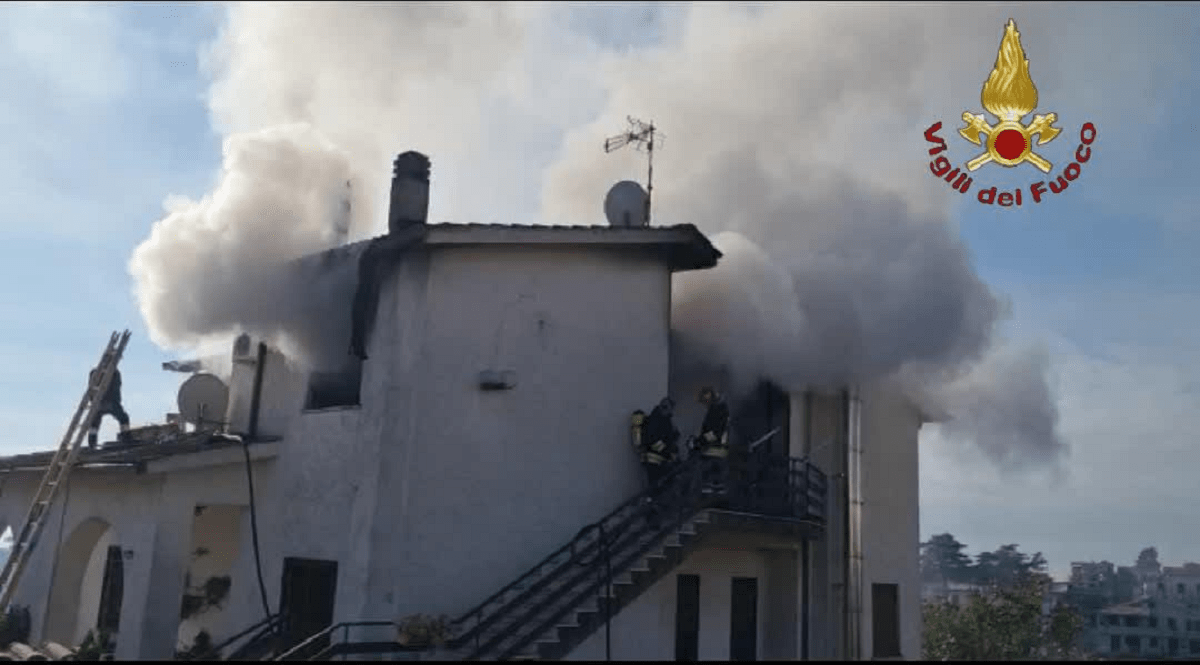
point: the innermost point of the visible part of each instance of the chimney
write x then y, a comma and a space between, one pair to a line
410, 191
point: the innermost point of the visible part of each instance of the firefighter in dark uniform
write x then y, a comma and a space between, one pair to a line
661, 440
656, 441
110, 405
713, 442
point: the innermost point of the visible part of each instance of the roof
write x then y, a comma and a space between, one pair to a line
135, 456
683, 245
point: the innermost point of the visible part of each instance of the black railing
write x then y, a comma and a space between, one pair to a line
257, 634
321, 646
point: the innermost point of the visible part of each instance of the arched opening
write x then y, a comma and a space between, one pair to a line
88, 586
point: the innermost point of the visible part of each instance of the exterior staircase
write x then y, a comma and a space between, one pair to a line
569, 595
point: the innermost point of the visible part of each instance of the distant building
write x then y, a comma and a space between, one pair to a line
958, 593
1145, 628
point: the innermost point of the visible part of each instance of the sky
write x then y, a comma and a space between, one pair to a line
113, 111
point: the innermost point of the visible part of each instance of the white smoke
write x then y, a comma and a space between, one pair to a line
789, 143
793, 130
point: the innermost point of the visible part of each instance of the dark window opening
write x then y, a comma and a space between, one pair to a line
1181, 589
885, 620
687, 617
1133, 642
1172, 625
1152, 622
1131, 622
1112, 620
743, 619
112, 590
1194, 646
1173, 645
1153, 642
332, 389
1114, 643
306, 601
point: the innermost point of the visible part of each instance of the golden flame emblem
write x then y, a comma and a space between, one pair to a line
1009, 94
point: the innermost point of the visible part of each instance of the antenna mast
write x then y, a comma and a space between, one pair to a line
640, 135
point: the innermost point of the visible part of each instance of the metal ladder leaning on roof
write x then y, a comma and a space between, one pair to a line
59, 468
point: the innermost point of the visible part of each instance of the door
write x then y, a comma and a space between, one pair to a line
743, 619
687, 618
885, 620
306, 601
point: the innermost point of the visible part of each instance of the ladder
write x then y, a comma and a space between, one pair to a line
59, 468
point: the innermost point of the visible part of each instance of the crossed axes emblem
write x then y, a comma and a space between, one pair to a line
1040, 125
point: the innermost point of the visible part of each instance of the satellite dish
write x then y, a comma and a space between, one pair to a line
625, 204
203, 399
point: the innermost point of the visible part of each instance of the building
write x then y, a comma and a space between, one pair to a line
1145, 628
468, 465
958, 593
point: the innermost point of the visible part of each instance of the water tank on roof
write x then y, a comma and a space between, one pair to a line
625, 204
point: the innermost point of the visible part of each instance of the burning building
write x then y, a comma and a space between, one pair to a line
467, 454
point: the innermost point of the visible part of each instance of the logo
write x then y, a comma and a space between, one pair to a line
1009, 95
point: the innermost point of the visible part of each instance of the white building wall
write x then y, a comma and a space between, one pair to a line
891, 511
585, 333
645, 630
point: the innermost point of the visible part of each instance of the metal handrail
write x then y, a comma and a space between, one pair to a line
573, 546
328, 632
269, 622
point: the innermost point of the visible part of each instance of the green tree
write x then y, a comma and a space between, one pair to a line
1007, 566
943, 560
1006, 624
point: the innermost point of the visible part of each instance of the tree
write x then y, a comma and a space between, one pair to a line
1147, 562
1007, 566
943, 560
1006, 624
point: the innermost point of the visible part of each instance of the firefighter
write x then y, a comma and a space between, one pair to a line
655, 439
713, 442
661, 441
110, 405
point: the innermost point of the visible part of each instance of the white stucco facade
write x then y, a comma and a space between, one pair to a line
432, 492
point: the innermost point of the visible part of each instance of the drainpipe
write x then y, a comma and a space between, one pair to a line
806, 546
256, 393
854, 503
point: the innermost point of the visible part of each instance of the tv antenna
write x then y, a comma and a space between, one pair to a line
641, 135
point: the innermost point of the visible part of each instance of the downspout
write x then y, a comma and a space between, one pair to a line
256, 393
806, 546
854, 504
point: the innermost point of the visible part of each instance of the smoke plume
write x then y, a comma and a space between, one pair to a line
838, 268
792, 130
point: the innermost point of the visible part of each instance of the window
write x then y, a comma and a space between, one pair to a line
1172, 625
332, 389
1194, 646
1180, 589
1114, 643
743, 619
1153, 642
1112, 620
1152, 622
1162, 588
1173, 646
1133, 642
885, 620
687, 617
1131, 622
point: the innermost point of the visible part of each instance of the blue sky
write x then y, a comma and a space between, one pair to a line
106, 114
